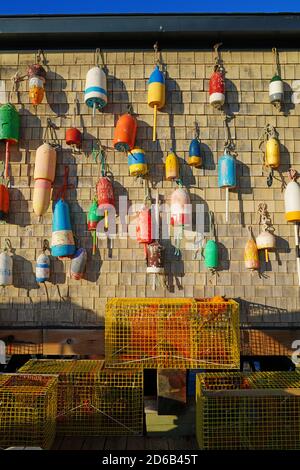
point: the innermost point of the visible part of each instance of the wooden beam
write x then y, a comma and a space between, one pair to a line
90, 342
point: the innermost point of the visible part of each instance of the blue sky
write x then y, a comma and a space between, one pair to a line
28, 7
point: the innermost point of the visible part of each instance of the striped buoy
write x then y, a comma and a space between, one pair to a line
42, 268
137, 162
95, 92
217, 82
37, 79
6, 265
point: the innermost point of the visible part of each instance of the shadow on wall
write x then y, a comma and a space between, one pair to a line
256, 314
55, 94
58, 312
288, 105
232, 103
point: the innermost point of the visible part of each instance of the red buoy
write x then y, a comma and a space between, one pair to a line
73, 137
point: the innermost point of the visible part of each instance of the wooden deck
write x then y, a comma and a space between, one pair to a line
125, 443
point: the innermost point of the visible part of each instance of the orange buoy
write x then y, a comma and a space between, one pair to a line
125, 132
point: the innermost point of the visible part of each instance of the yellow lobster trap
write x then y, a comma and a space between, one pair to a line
172, 333
259, 410
93, 400
27, 410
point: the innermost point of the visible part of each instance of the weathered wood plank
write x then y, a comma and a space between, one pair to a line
90, 342
136, 443
70, 342
57, 443
72, 443
182, 443
157, 443
94, 443
115, 443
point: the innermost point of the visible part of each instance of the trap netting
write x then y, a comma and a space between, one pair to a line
172, 333
28, 409
93, 400
259, 410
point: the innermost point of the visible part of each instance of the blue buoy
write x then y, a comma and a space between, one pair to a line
62, 244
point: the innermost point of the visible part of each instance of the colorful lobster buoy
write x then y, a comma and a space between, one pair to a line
155, 260
93, 219
172, 167
217, 82
227, 176
78, 264
6, 265
37, 79
44, 175
211, 249
272, 151
180, 214
73, 135
211, 255
95, 93
106, 198
251, 257
144, 226
276, 88
137, 162
42, 268
9, 132
62, 243
156, 90
195, 158
292, 210
125, 132
227, 167
266, 240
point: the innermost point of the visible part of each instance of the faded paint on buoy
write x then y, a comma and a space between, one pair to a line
78, 264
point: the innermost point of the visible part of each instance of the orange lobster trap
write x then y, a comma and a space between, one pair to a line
172, 333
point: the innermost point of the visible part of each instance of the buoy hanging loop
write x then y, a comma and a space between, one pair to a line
276, 61
7, 245
50, 136
63, 189
217, 59
40, 57
99, 55
229, 145
157, 54
45, 246
265, 218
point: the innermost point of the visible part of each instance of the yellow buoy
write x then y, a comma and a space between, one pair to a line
172, 167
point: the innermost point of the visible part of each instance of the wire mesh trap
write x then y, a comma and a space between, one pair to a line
93, 400
172, 333
236, 410
28, 409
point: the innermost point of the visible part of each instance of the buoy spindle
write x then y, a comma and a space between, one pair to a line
154, 122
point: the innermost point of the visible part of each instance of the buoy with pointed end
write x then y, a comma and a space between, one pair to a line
44, 175
62, 243
37, 79
156, 94
251, 257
